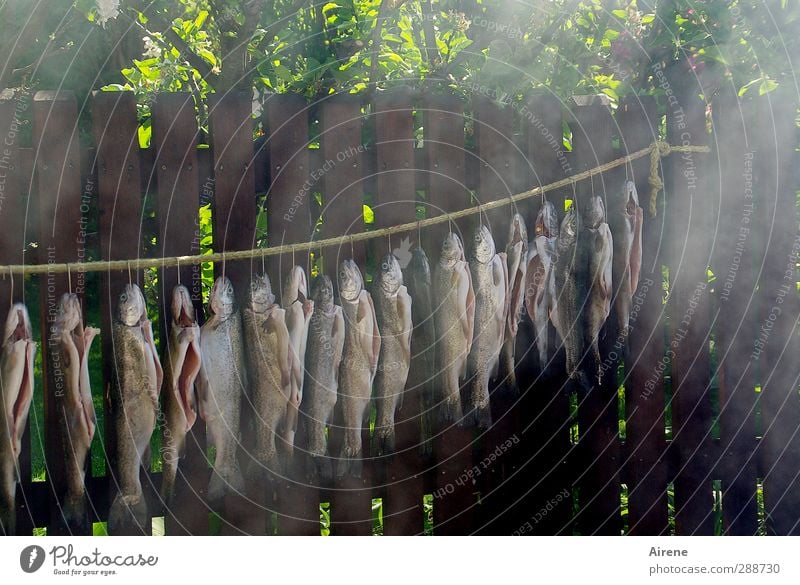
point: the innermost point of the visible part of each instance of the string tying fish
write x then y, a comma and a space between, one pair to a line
655, 151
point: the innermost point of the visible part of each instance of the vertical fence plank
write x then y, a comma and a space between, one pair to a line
598, 479
234, 228
178, 198
12, 245
343, 198
545, 430
119, 203
494, 133
734, 317
55, 139
776, 163
289, 213
688, 216
396, 203
644, 384
453, 506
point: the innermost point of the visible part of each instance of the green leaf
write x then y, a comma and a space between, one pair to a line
767, 86
145, 133
369, 215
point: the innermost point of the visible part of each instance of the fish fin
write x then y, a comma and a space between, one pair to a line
337, 340
204, 398
147, 328
90, 418
404, 311
636, 250
366, 310
534, 283
128, 515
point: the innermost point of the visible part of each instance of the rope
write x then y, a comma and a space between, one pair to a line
655, 150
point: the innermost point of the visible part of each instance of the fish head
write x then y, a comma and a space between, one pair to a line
630, 198
183, 313
70, 315
517, 232
391, 275
419, 266
546, 221
296, 285
595, 212
568, 233
18, 325
351, 283
322, 292
131, 306
222, 300
261, 296
452, 249
483, 249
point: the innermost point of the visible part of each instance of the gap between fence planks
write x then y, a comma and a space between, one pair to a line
655, 150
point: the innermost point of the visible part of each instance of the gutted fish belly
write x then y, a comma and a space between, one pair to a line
454, 321
179, 397
321, 384
362, 344
16, 376
625, 220
299, 309
393, 311
601, 248
268, 350
540, 285
220, 384
135, 389
74, 408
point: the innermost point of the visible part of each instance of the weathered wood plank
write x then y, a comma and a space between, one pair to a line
178, 200
396, 203
13, 184
644, 384
343, 199
598, 468
688, 215
734, 316
62, 236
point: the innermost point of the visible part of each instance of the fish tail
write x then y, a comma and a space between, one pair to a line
480, 414
8, 517
227, 482
73, 509
319, 467
167, 491
128, 515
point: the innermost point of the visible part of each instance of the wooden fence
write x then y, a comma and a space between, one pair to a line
693, 429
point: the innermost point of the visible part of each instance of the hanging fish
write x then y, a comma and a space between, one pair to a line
16, 376
625, 220
601, 249
299, 310
135, 388
490, 279
362, 344
220, 385
517, 266
180, 399
572, 283
454, 319
269, 358
323, 356
539, 283
70, 345
422, 374
393, 312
